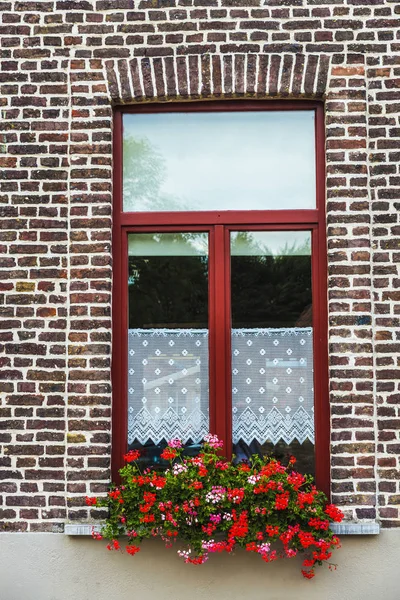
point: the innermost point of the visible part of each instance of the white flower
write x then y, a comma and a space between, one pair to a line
253, 479
179, 468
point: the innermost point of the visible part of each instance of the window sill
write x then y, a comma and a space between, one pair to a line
350, 528
81, 528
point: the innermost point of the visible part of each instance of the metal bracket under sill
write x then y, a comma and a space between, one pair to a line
349, 528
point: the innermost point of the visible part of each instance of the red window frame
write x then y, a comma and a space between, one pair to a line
219, 224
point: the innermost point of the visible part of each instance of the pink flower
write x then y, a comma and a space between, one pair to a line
131, 533
179, 468
217, 494
213, 441
215, 518
263, 548
223, 466
175, 443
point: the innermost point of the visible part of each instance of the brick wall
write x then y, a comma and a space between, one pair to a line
64, 63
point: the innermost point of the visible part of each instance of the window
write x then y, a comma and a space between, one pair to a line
219, 298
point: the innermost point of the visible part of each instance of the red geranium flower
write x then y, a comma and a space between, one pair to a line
158, 482
132, 549
114, 545
282, 501
272, 531
334, 513
244, 467
296, 479
116, 495
304, 498
251, 547
131, 456
202, 471
306, 539
308, 574
236, 495
319, 524
197, 485
240, 527
168, 454
147, 519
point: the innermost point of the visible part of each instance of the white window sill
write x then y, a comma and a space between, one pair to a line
352, 528
349, 528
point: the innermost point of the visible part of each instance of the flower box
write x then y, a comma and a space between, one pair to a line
214, 505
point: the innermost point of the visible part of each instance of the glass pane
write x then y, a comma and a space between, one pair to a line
219, 161
167, 341
272, 353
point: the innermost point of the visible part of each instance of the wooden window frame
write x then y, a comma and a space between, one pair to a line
219, 224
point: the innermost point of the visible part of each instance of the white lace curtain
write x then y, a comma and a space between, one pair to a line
272, 385
167, 384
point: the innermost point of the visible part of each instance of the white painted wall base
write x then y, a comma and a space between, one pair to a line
41, 566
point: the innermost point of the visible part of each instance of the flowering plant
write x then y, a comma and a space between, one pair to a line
214, 505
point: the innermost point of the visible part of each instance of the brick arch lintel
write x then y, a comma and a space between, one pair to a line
211, 76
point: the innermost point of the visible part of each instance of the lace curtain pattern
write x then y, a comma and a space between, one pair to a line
272, 385
167, 384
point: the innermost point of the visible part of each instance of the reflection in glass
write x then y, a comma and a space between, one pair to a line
167, 341
272, 351
235, 160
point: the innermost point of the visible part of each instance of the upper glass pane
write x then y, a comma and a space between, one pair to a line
262, 160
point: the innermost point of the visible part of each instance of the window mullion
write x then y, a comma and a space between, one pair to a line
221, 338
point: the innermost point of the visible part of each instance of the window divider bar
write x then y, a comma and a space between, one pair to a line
228, 343
221, 319
230, 217
212, 395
